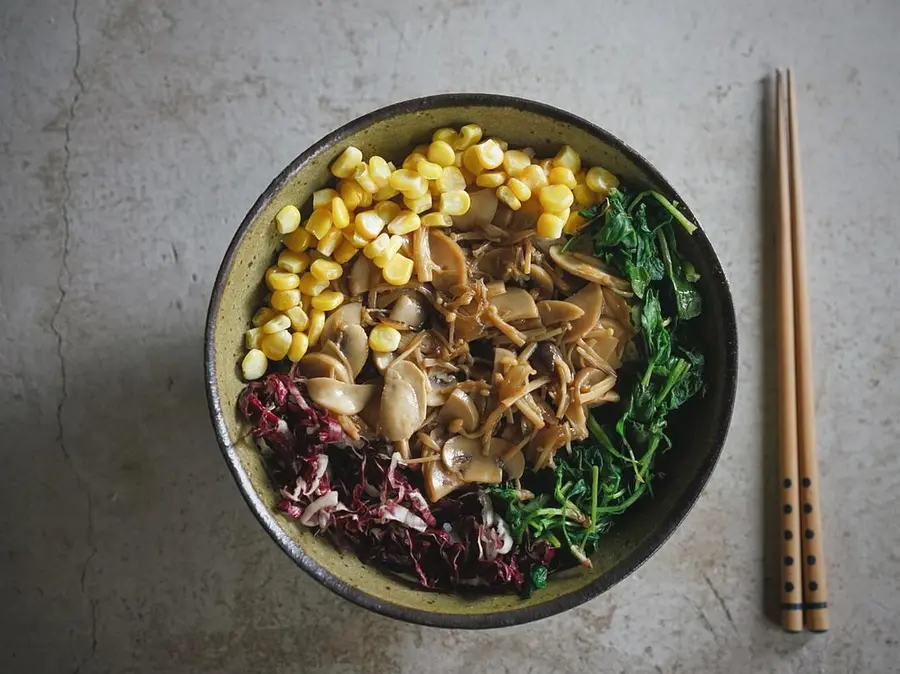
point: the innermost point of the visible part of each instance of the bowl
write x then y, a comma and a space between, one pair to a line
698, 430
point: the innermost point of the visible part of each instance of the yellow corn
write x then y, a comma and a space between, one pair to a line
377, 246
254, 364
600, 180
520, 189
458, 158
470, 161
574, 224
326, 270
405, 180
282, 300
556, 197
428, 169
316, 324
406, 221
304, 302
340, 214
351, 193
298, 240
562, 175
550, 226
433, 188
299, 319
489, 154
311, 286
263, 315
365, 198
546, 165
399, 270
563, 214
418, 190
295, 263
419, 205
368, 225
387, 211
319, 223
569, 158
579, 177
502, 143
345, 252
323, 197
384, 338
490, 179
441, 153
528, 152
421, 149
446, 135
534, 176
299, 347
505, 194
412, 160
278, 279
345, 165
276, 345
468, 136
384, 257
436, 220
329, 242
385, 193
354, 238
288, 219
456, 202
364, 180
451, 179
379, 171
585, 195
327, 300
514, 161
253, 337
280, 322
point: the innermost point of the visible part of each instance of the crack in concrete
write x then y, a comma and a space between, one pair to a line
721, 601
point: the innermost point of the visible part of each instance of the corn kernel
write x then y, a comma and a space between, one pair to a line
441, 153
351, 193
585, 196
556, 197
436, 220
346, 164
394, 245
534, 176
569, 158
282, 300
574, 224
377, 246
546, 165
428, 170
458, 158
254, 364
384, 338
288, 219
319, 223
418, 190
304, 302
446, 135
562, 175
421, 149
326, 270
387, 211
298, 317
405, 180
263, 315
528, 152
298, 240
514, 161
451, 179
502, 143
327, 300
311, 286
278, 323
368, 225
563, 214
379, 171
468, 136
550, 226
490, 179
579, 178
406, 222
385, 193
345, 252
329, 242
455, 202
600, 180
399, 270
295, 263
412, 160
470, 161
419, 205
278, 279
489, 154
253, 337
433, 188
520, 189
316, 324
354, 238
364, 180
275, 346
323, 197
299, 347
505, 194
365, 198
340, 214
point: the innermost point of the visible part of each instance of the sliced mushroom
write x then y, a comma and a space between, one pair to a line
346, 314
339, 397
495, 288
323, 365
590, 299
354, 344
403, 401
439, 482
553, 312
408, 310
463, 456
616, 306
514, 466
543, 279
482, 207
515, 304
588, 268
545, 443
382, 360
440, 386
459, 406
361, 275
447, 255
500, 262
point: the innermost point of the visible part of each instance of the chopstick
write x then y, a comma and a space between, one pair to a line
801, 519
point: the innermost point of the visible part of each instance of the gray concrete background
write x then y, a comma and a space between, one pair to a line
134, 135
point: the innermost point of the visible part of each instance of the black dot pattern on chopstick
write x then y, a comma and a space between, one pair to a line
811, 560
789, 587
806, 482
813, 586
787, 509
788, 561
810, 534
787, 483
807, 508
788, 535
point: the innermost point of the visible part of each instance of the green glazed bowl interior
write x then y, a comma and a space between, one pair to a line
698, 431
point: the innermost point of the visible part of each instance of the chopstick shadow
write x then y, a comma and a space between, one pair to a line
768, 207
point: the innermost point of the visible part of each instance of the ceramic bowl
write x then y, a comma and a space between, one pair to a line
698, 431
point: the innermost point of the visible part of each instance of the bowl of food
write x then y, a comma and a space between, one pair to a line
470, 360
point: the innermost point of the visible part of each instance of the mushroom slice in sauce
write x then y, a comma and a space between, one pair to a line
439, 481
459, 406
354, 344
515, 304
463, 456
403, 401
344, 315
339, 397
588, 268
324, 365
409, 311
590, 300
447, 255
482, 207
553, 312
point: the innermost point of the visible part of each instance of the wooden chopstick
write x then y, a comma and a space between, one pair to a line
815, 589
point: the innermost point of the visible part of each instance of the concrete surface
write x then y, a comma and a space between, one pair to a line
134, 135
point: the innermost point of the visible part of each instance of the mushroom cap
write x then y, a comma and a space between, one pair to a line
408, 310
339, 397
403, 401
439, 481
590, 300
346, 314
482, 207
323, 365
447, 255
553, 312
354, 344
459, 406
463, 456
515, 304
589, 268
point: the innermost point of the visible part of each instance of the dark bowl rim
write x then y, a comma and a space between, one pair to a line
500, 618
